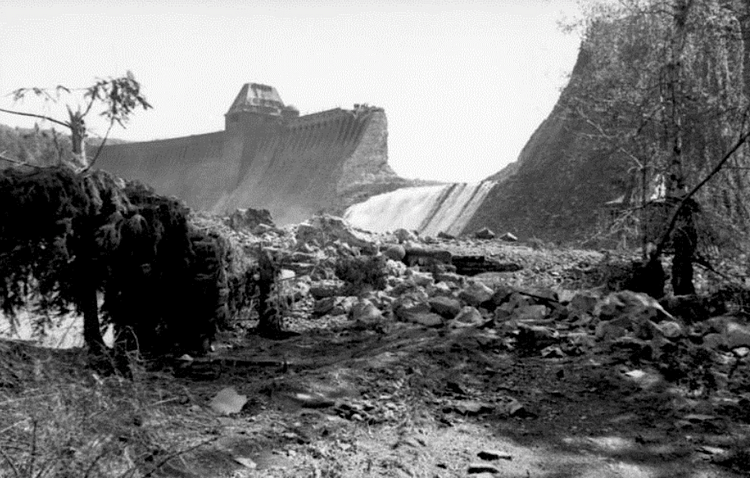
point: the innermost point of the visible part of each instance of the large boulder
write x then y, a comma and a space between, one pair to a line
484, 233
633, 304
475, 294
447, 307
325, 229
249, 219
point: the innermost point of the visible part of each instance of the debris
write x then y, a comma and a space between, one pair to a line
475, 294
228, 401
492, 455
484, 233
476, 468
246, 462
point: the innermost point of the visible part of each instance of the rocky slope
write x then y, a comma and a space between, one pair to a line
559, 187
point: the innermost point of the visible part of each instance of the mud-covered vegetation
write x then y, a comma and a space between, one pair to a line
67, 239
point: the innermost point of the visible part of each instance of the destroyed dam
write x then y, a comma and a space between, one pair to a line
271, 157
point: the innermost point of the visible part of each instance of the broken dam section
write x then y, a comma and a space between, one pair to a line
268, 157
427, 209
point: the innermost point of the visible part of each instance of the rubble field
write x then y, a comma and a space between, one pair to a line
463, 357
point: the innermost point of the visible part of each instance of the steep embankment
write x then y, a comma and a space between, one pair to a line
558, 187
295, 168
560, 184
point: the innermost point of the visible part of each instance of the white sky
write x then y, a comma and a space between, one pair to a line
463, 83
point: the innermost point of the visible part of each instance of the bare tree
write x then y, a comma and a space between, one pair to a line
665, 89
119, 97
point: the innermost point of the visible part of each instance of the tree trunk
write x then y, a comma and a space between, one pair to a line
92, 334
269, 319
684, 242
78, 137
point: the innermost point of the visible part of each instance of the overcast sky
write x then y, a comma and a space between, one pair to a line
464, 83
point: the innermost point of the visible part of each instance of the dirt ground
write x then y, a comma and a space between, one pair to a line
342, 400
428, 403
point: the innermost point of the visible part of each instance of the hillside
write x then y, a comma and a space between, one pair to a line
559, 187
41, 146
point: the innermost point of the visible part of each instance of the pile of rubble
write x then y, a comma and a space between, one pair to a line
426, 284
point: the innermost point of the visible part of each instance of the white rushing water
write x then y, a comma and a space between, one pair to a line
426, 209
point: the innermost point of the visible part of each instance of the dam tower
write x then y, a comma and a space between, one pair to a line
257, 105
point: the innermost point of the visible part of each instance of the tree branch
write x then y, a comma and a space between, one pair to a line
673, 219
33, 115
15, 161
101, 146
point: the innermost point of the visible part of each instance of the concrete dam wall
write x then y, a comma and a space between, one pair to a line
268, 157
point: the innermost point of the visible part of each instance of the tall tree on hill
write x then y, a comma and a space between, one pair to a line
667, 91
119, 97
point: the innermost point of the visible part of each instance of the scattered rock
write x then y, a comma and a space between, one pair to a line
492, 455
246, 462
447, 307
530, 313
633, 304
324, 306
428, 319
404, 235
227, 401
450, 278
737, 335
484, 233
552, 352
365, 312
327, 288
395, 252
476, 293
417, 256
508, 237
468, 317
473, 265
422, 279
326, 229
501, 295
469, 407
249, 219
583, 303
476, 468
671, 329
446, 236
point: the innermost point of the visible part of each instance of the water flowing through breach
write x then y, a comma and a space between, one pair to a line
426, 209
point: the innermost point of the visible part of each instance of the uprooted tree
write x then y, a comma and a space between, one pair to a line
68, 239
667, 91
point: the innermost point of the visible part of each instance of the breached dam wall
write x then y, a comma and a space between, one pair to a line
427, 209
294, 167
